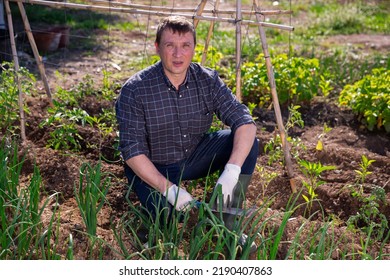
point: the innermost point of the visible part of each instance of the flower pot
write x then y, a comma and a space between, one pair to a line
64, 31
46, 41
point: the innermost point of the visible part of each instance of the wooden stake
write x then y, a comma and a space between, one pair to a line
38, 58
238, 50
209, 34
275, 100
16, 66
199, 11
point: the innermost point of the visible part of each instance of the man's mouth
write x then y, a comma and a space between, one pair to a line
177, 63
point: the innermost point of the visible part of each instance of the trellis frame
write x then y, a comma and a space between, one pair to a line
196, 14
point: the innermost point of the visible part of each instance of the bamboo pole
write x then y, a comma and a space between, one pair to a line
209, 34
143, 12
184, 10
199, 11
275, 101
38, 58
238, 50
16, 66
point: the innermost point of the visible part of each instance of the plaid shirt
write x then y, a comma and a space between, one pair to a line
167, 124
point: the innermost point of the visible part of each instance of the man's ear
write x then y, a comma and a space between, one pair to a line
157, 47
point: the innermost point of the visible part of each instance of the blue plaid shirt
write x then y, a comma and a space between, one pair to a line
167, 124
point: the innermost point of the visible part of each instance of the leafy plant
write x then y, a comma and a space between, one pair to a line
298, 80
9, 92
265, 176
369, 217
363, 171
274, 146
369, 98
312, 172
65, 135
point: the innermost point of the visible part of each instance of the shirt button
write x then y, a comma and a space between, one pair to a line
185, 135
180, 95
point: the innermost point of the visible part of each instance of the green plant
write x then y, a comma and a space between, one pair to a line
265, 176
274, 146
294, 118
21, 229
312, 172
369, 98
363, 171
213, 57
108, 90
298, 80
332, 18
9, 92
91, 194
369, 217
65, 135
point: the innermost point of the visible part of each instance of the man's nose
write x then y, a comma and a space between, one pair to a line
177, 51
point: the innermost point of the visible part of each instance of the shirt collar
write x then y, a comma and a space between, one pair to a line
167, 81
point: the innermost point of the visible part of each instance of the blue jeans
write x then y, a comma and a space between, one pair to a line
211, 155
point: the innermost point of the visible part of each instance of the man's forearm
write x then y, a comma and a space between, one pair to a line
243, 142
145, 169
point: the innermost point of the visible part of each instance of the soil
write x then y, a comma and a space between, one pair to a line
343, 147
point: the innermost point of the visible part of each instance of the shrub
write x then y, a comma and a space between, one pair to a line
369, 98
297, 80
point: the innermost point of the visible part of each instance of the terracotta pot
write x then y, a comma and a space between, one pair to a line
46, 41
64, 30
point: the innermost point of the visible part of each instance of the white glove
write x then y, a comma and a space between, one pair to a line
178, 197
228, 180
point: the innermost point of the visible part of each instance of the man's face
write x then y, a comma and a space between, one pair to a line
176, 52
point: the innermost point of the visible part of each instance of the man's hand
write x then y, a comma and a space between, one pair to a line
228, 180
178, 197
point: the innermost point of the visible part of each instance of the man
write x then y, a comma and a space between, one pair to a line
165, 112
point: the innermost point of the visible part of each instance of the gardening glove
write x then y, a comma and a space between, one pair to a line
228, 180
178, 197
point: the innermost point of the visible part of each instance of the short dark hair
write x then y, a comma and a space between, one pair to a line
176, 24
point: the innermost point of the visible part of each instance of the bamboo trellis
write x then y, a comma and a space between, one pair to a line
197, 14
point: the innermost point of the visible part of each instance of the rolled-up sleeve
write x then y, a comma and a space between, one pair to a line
131, 122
